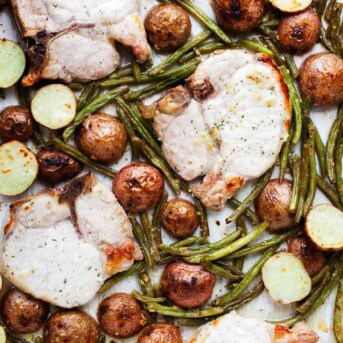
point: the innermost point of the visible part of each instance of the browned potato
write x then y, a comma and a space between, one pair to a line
187, 285
168, 27
120, 315
180, 218
238, 15
73, 326
160, 333
299, 32
138, 187
321, 79
22, 313
16, 123
102, 138
272, 205
56, 166
312, 259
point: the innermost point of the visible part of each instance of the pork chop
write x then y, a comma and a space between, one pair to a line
75, 40
229, 124
60, 246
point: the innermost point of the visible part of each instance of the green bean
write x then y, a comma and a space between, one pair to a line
320, 150
175, 312
338, 165
92, 107
253, 249
160, 164
293, 205
329, 10
145, 281
333, 30
201, 50
149, 234
253, 195
193, 322
248, 278
219, 271
175, 57
87, 94
240, 224
329, 192
284, 155
250, 214
156, 219
338, 314
320, 7
296, 105
278, 56
136, 70
255, 46
313, 172
76, 86
231, 248
73, 152
113, 280
231, 267
141, 239
127, 70
318, 277
331, 145
187, 241
145, 299
204, 227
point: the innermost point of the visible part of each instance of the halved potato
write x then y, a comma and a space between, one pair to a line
2, 335
54, 106
12, 63
324, 226
286, 278
18, 168
291, 6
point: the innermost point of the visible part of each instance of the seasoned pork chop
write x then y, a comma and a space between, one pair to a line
233, 328
61, 246
229, 124
75, 40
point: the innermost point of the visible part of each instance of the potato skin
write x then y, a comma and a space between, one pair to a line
22, 313
138, 187
168, 27
187, 285
102, 138
238, 15
180, 218
16, 123
299, 32
312, 259
160, 333
321, 79
120, 315
56, 166
73, 326
272, 205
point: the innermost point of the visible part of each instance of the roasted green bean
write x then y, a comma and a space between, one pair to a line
338, 314
219, 271
250, 214
338, 165
295, 165
149, 234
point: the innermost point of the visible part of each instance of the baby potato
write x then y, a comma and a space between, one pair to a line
321, 79
299, 32
22, 313
238, 15
73, 326
187, 285
168, 27
138, 187
102, 138
180, 218
312, 259
272, 205
120, 315
160, 332
16, 123
56, 166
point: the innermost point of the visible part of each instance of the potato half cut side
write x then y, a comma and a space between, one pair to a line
291, 6
12, 63
2, 335
324, 226
18, 168
54, 106
286, 278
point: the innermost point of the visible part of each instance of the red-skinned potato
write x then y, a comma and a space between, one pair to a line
159, 333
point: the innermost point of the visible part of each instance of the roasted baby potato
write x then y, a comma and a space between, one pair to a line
312, 259
168, 27
22, 313
180, 218
138, 187
16, 123
299, 32
56, 166
238, 15
321, 79
73, 326
160, 332
187, 285
102, 138
120, 315
272, 205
